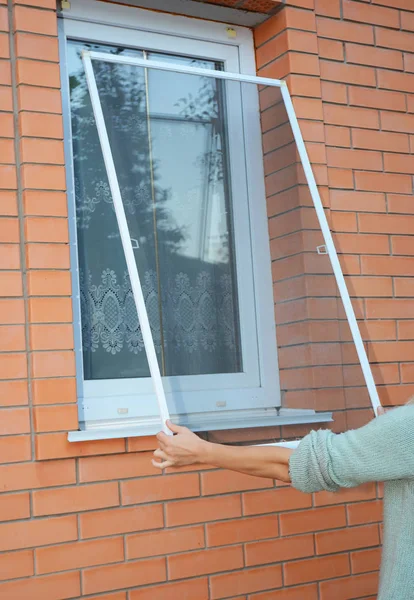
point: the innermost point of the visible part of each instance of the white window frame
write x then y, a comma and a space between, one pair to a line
88, 21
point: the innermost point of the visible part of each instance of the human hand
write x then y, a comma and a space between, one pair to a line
184, 448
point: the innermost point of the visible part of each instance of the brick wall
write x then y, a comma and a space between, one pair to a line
94, 519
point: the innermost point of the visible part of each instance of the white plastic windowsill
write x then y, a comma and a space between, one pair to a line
284, 417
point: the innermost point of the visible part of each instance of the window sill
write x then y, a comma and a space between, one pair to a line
217, 422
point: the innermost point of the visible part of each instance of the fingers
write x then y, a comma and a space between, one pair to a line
381, 411
162, 465
160, 454
175, 428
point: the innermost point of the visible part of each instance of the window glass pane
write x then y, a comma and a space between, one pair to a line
168, 137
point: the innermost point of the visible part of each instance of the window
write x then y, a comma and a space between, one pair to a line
197, 218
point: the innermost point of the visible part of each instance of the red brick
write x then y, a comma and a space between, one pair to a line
4, 45
9, 229
6, 99
398, 224
43, 177
246, 581
203, 510
310, 592
365, 561
344, 73
33, 72
29, 45
353, 159
48, 310
79, 498
35, 475
56, 445
47, 256
15, 449
8, 202
13, 366
288, 40
165, 542
303, 85
383, 182
6, 125
352, 117
38, 3
348, 32
280, 550
40, 532
312, 520
8, 177
16, 564
328, 8
222, 482
308, 108
358, 243
399, 163
337, 136
14, 421
160, 488
403, 82
51, 337
400, 204
334, 92
9, 256
7, 151
120, 520
125, 575
349, 587
39, 99
53, 364
277, 500
364, 512
35, 21
54, 391
330, 49
390, 309
377, 140
54, 587
315, 569
45, 204
185, 590
369, 286
373, 15
100, 468
55, 418
347, 539
38, 150
233, 532
204, 562
364, 492
404, 286
37, 125
391, 351
11, 284
13, 393
391, 121
341, 178
402, 245
357, 201
14, 506
407, 21
79, 554
394, 39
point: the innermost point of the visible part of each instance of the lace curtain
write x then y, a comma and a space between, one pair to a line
168, 143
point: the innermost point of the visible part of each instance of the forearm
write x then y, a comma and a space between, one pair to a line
270, 462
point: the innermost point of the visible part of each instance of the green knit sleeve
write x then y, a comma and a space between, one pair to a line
383, 450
